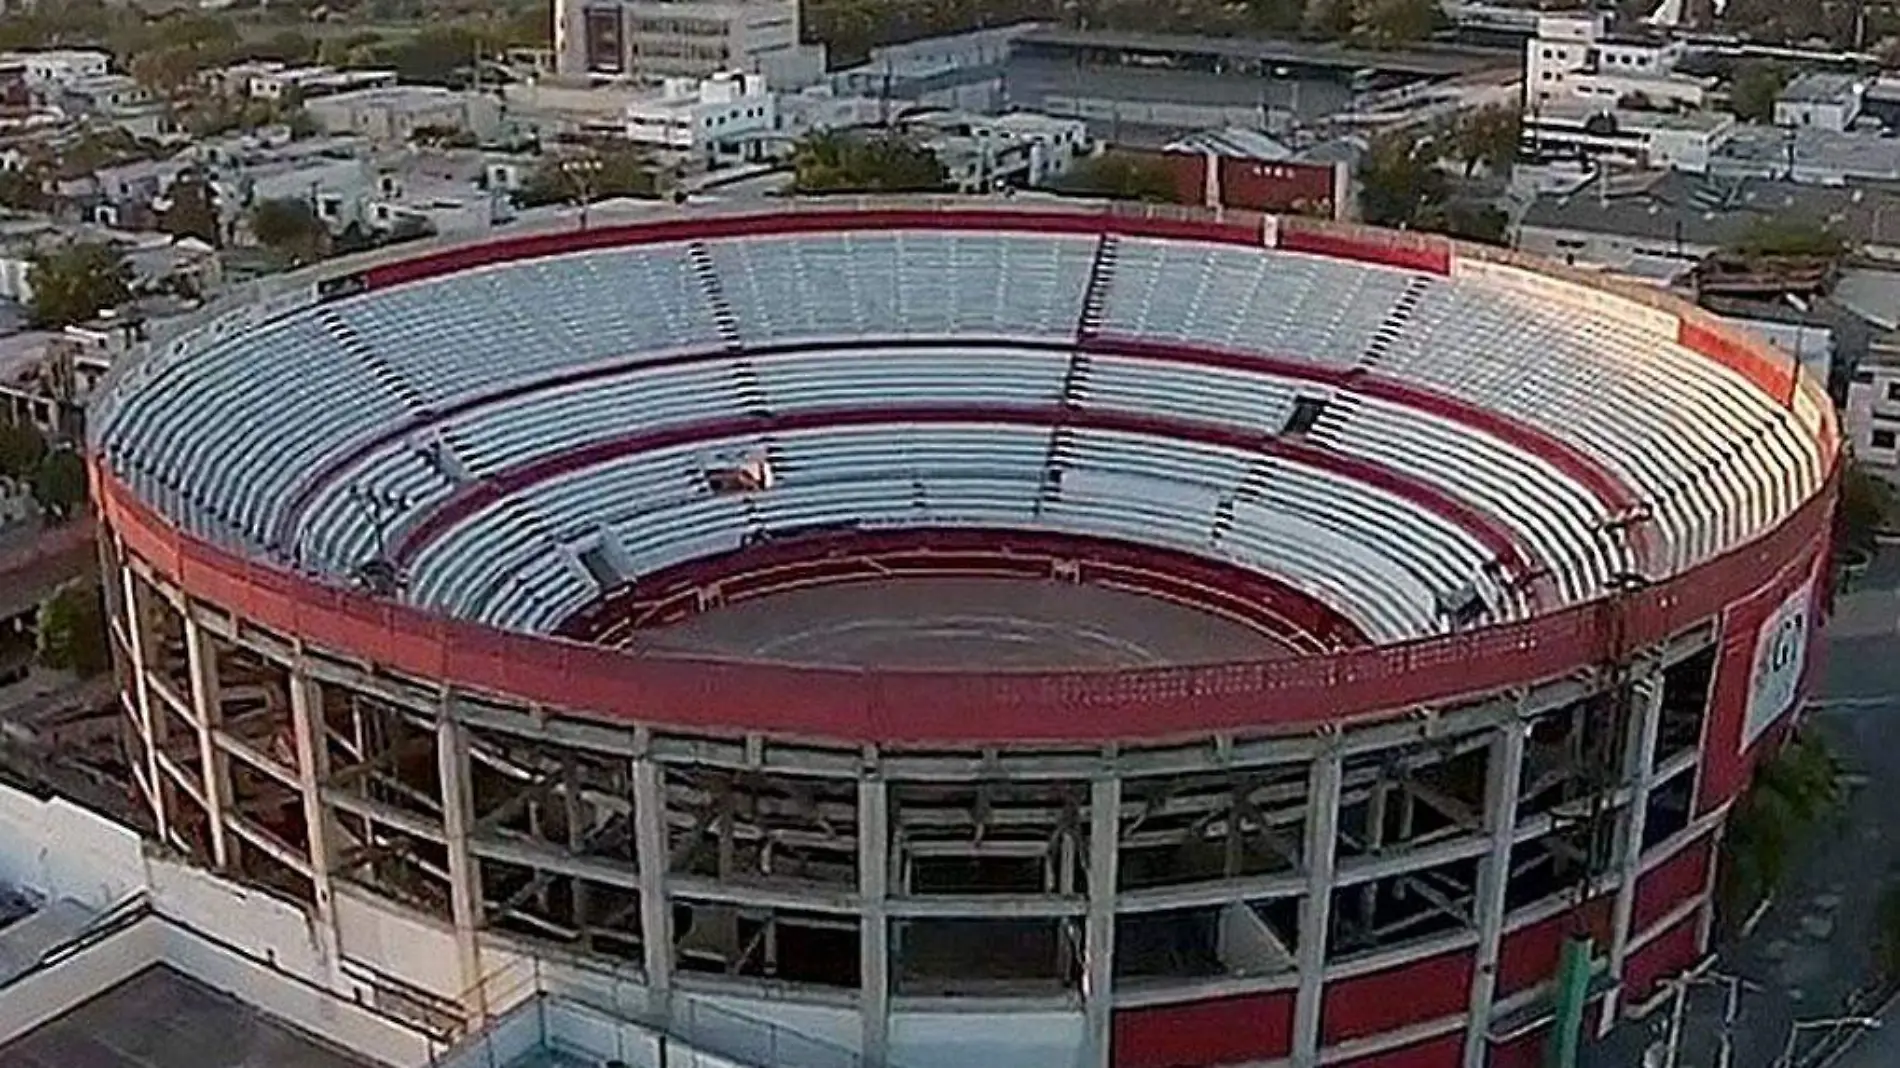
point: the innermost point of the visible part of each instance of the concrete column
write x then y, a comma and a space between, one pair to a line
1639, 772
465, 889
313, 771
151, 728
874, 951
207, 708
1503, 782
1098, 936
1320, 852
650, 855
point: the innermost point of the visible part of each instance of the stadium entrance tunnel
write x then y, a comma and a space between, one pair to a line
1360, 846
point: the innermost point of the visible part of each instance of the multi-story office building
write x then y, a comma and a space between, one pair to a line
683, 38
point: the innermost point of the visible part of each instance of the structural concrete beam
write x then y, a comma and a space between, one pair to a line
1639, 773
1504, 778
1322, 845
874, 954
1098, 936
207, 716
465, 900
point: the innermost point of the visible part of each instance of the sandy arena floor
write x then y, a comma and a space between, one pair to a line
967, 622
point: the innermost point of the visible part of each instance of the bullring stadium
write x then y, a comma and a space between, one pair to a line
1047, 633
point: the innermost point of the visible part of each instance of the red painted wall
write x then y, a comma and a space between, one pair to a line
1248, 185
1291, 188
1528, 956
1668, 954
1371, 1004
1251, 1028
1725, 767
1669, 884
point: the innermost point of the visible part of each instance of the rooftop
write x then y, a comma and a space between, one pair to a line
161, 1019
1819, 155
1820, 87
1702, 211
1435, 62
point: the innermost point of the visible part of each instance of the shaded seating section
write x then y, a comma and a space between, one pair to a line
1712, 456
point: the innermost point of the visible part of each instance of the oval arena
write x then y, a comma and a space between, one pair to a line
1040, 633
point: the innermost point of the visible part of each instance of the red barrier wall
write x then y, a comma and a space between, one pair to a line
1382, 1001
1256, 1027
673, 593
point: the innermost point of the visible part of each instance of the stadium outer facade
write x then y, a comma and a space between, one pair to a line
359, 756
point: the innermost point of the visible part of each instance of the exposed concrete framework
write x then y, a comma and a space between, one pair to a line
1101, 879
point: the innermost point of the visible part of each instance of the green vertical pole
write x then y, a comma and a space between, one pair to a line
1573, 988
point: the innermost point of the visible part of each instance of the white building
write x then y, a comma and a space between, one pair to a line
1574, 58
684, 38
58, 67
1820, 100
277, 82
983, 153
707, 117
1872, 419
1583, 132
394, 113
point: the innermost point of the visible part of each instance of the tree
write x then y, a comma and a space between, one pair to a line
1489, 136
72, 630
1867, 506
59, 484
1399, 182
885, 163
585, 177
1752, 92
289, 228
1793, 791
1121, 176
24, 189
21, 448
1387, 23
193, 210
76, 283
1784, 235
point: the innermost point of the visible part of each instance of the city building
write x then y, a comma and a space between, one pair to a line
1616, 221
1587, 133
276, 81
653, 39
393, 114
1871, 418
1017, 150
724, 116
54, 68
963, 72
1821, 100
1575, 58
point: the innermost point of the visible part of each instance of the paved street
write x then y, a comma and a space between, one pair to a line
1811, 955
